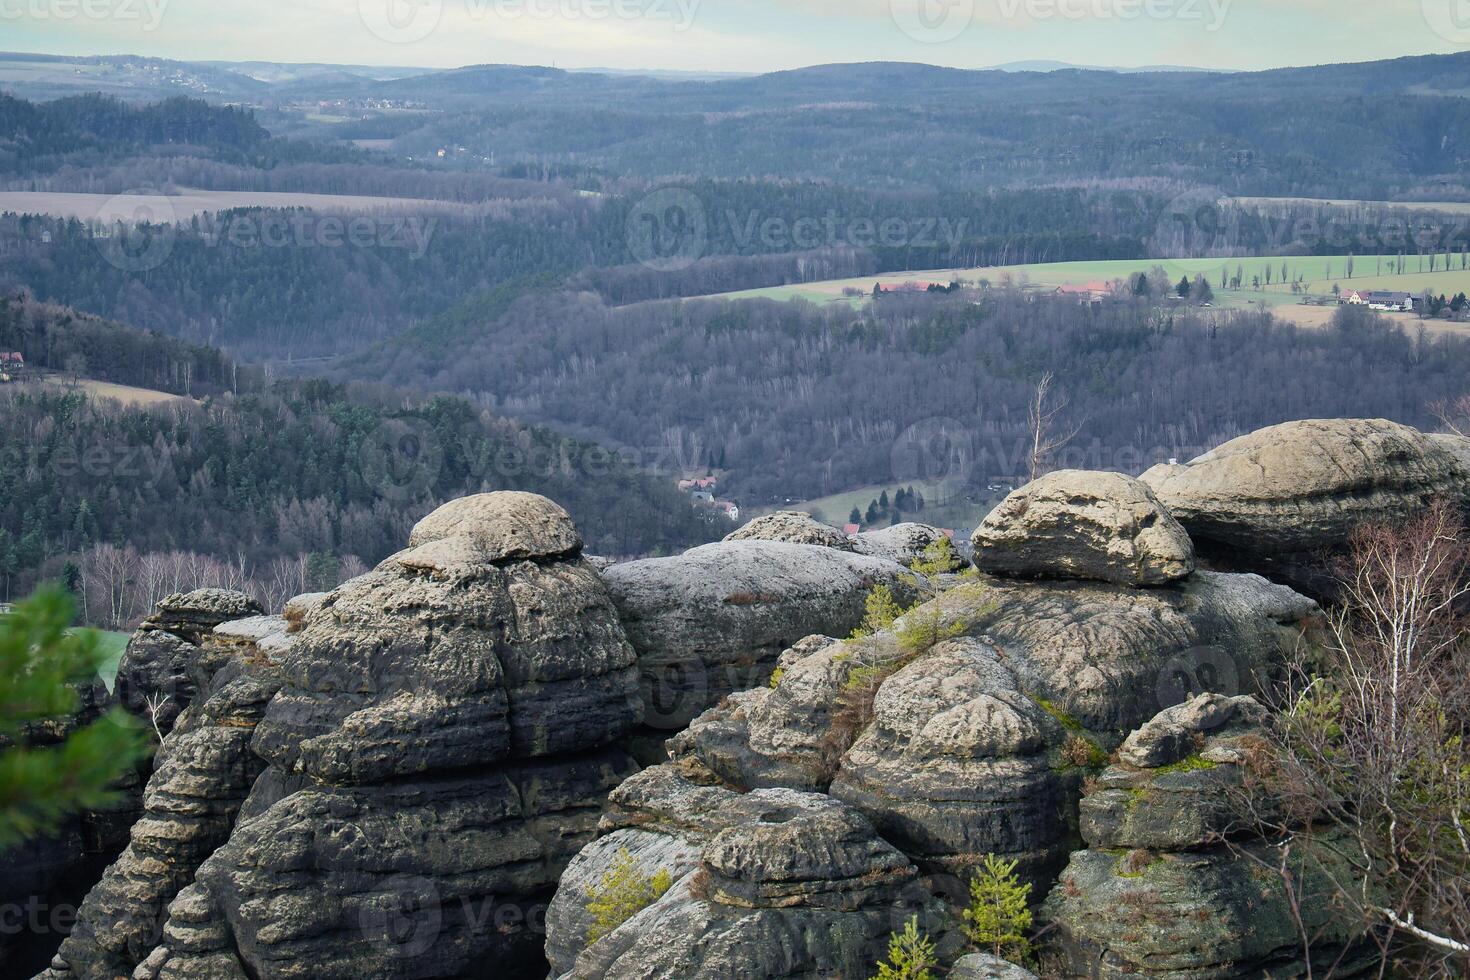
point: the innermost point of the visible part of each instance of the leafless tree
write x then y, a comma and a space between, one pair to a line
1454, 414
1047, 436
1373, 747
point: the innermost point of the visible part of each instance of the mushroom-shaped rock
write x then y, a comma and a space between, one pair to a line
1085, 525
903, 543
794, 528
503, 526
1302, 487
714, 620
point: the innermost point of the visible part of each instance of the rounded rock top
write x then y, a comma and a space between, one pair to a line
792, 527
504, 526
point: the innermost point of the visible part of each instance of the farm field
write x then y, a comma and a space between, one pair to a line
126, 394
192, 203
1319, 274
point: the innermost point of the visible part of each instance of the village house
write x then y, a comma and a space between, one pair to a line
708, 483
12, 366
730, 509
1090, 292
1386, 300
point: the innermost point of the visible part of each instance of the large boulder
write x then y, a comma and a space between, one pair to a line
1177, 881
764, 884
793, 528
714, 620
1086, 525
1301, 487
166, 663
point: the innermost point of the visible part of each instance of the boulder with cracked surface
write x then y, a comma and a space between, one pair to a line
714, 620
1085, 525
793, 527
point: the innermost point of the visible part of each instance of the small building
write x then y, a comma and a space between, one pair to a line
12, 366
852, 529
1090, 292
1393, 302
1356, 297
730, 509
704, 496
708, 483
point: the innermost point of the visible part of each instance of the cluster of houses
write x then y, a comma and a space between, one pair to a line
1379, 299
12, 366
703, 490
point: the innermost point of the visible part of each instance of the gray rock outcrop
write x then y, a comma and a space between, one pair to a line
978, 743
769, 883
903, 543
793, 527
1302, 487
440, 747
166, 660
1087, 525
714, 620
1175, 881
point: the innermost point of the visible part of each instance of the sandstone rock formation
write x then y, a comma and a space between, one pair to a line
977, 743
165, 660
201, 776
793, 528
1162, 891
714, 620
1080, 524
769, 883
902, 543
434, 743
1302, 487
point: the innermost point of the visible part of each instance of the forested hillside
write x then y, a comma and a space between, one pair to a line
800, 401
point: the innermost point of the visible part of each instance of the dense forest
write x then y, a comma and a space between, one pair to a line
288, 471
799, 401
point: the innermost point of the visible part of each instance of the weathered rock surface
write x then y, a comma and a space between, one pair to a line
166, 659
902, 543
1087, 525
202, 774
1302, 487
769, 883
439, 749
978, 744
1159, 892
793, 528
983, 966
714, 619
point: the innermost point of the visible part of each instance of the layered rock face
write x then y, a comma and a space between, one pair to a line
1301, 487
203, 771
166, 663
978, 743
1174, 884
765, 884
714, 619
387, 781
1076, 524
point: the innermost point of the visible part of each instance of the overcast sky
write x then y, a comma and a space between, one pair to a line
743, 35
